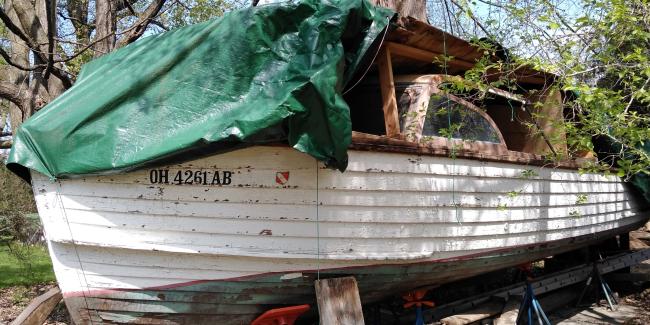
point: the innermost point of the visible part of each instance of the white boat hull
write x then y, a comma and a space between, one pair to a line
149, 245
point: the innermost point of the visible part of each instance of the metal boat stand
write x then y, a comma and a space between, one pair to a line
530, 306
416, 298
602, 285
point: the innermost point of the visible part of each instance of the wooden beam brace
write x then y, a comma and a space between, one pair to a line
417, 54
387, 86
425, 56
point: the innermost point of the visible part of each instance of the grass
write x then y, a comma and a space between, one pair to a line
20, 264
24, 265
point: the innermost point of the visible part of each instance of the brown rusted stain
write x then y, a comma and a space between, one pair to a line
266, 232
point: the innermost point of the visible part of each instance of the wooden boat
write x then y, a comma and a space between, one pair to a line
221, 239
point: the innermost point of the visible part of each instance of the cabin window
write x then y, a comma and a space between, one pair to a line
449, 119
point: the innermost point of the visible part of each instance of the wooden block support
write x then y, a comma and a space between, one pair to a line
338, 301
387, 86
39, 309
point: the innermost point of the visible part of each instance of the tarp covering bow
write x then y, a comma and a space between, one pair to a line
257, 75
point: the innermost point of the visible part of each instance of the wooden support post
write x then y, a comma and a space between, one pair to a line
39, 309
387, 86
338, 301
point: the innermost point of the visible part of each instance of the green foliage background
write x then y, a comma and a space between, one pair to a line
16, 201
598, 49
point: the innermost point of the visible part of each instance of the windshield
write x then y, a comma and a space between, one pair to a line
449, 119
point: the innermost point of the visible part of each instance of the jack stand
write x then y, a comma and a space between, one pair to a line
414, 298
604, 288
530, 305
281, 316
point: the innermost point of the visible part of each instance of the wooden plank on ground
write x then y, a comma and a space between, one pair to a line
481, 312
387, 87
510, 312
339, 302
39, 309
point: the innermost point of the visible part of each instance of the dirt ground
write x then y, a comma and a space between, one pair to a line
633, 309
14, 299
634, 297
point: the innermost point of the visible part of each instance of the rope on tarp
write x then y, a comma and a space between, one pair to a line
373, 58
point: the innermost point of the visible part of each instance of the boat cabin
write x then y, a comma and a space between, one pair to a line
420, 106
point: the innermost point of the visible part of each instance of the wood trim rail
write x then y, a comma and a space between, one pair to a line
371, 142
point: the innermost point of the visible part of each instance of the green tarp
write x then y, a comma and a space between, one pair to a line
257, 75
607, 147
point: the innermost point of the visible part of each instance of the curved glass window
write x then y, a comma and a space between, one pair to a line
446, 118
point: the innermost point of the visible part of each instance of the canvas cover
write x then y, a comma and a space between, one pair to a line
257, 75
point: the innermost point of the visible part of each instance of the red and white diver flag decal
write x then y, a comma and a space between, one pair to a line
281, 177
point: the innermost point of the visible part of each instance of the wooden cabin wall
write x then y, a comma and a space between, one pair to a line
550, 118
509, 119
518, 128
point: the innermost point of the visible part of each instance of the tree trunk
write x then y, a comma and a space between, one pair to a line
413, 8
105, 26
48, 87
20, 55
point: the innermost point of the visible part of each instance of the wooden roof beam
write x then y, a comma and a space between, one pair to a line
414, 53
425, 56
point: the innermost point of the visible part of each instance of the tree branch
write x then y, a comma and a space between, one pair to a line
123, 4
15, 29
159, 24
30, 23
128, 6
471, 15
5, 144
75, 20
139, 27
11, 92
629, 104
10, 62
50, 11
33, 45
